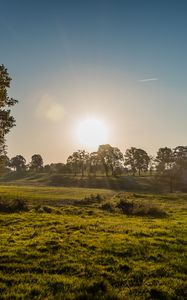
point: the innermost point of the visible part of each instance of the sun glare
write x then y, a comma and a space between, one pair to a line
92, 132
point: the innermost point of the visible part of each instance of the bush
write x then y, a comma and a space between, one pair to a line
139, 209
151, 211
16, 205
92, 199
126, 206
47, 209
43, 209
108, 206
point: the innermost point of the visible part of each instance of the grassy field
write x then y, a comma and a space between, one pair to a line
49, 195
70, 245
130, 183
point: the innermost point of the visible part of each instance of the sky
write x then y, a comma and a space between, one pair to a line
122, 62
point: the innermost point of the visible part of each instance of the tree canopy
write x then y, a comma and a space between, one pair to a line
7, 121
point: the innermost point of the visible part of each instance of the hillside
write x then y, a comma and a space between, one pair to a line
144, 183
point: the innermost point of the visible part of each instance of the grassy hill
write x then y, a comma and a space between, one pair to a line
131, 183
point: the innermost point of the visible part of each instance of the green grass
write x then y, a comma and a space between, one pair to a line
85, 252
131, 183
51, 195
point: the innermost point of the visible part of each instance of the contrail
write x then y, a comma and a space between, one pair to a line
148, 79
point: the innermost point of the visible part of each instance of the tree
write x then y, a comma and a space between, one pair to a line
57, 168
47, 168
130, 159
164, 159
78, 161
7, 121
36, 163
137, 159
151, 164
180, 157
73, 163
83, 157
93, 162
166, 166
117, 160
18, 163
4, 163
110, 157
142, 160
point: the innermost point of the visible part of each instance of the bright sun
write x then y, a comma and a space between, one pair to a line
92, 133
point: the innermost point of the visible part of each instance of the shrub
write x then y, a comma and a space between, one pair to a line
92, 199
139, 209
16, 205
43, 209
149, 210
126, 206
108, 206
47, 209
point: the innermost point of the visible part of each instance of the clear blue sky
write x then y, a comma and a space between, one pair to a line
79, 58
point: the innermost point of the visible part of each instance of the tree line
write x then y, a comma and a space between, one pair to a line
110, 161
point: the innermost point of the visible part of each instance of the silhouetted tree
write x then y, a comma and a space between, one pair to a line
83, 158
104, 153
164, 159
117, 160
151, 164
59, 168
18, 163
180, 156
47, 168
4, 163
36, 163
93, 162
130, 159
142, 160
73, 163
137, 159
110, 157
166, 167
6, 119
78, 161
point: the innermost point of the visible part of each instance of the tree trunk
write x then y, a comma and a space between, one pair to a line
106, 169
171, 184
82, 169
112, 170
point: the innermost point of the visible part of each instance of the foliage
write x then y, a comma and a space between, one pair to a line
172, 166
138, 209
36, 163
78, 161
4, 163
165, 159
16, 205
57, 168
93, 163
18, 163
7, 121
93, 198
166, 172
137, 160
110, 157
